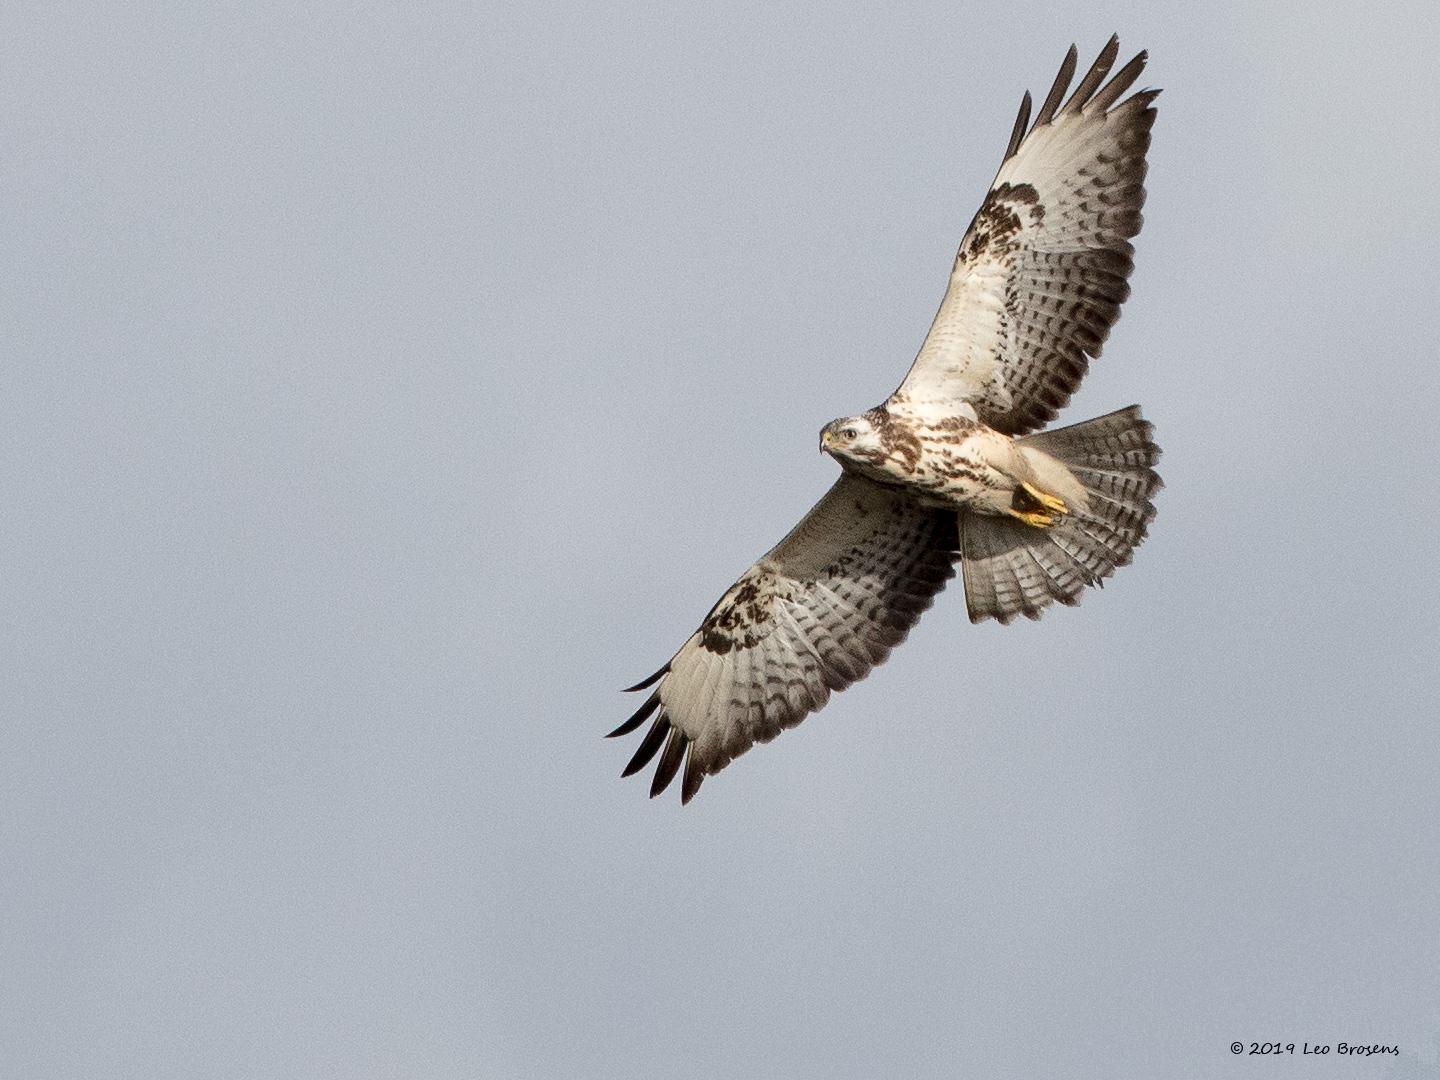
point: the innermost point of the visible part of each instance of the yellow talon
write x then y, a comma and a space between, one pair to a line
1032, 517
1049, 502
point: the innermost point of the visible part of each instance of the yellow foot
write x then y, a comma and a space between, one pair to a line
1035, 507
1049, 502
1032, 517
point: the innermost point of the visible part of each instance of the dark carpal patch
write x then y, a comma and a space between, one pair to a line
999, 219
737, 617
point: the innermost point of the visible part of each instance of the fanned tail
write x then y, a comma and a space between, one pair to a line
1013, 568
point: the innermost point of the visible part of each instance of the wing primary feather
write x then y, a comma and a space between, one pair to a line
651, 681
650, 746
1057, 91
694, 777
651, 704
1123, 80
1098, 70
669, 761
1022, 122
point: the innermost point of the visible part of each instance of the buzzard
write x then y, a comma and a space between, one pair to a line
952, 467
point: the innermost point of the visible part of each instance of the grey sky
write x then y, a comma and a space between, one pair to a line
383, 390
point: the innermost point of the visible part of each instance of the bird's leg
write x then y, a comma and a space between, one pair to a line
1035, 507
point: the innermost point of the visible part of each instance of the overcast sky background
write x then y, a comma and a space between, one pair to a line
382, 390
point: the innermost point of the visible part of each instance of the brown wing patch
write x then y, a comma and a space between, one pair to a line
1004, 213
737, 621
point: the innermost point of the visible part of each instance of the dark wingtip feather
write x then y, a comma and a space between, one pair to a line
1098, 70
1022, 122
650, 746
1057, 90
651, 704
694, 777
669, 761
651, 681
1123, 80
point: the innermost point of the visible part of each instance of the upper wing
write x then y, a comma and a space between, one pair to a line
1042, 270
815, 614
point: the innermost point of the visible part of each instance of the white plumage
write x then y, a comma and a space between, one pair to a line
945, 471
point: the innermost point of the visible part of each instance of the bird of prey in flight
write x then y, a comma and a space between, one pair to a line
953, 467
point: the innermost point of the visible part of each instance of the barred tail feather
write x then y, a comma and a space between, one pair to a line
1012, 568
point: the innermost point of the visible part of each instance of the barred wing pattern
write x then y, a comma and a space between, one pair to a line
815, 614
1043, 268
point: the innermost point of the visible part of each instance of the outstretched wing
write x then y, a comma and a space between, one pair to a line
815, 614
1042, 270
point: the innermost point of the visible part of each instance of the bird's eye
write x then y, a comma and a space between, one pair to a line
849, 433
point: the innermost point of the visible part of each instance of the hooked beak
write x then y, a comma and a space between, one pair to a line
824, 440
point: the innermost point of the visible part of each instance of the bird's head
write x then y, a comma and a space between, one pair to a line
851, 438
